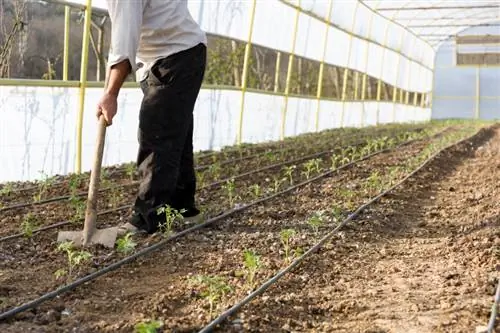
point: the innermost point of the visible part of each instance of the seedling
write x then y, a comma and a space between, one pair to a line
316, 220
78, 206
277, 181
28, 225
75, 259
255, 190
213, 289
75, 181
43, 186
335, 161
374, 181
215, 170
200, 178
6, 189
148, 327
125, 244
317, 164
308, 168
286, 235
252, 265
171, 215
289, 170
114, 196
130, 170
337, 214
270, 156
298, 252
230, 189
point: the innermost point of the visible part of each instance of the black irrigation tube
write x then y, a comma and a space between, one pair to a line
494, 311
269, 167
216, 183
53, 294
235, 308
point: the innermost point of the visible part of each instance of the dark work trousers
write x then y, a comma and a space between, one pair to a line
165, 159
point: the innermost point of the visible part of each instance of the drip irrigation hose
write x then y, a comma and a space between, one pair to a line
494, 311
221, 318
216, 183
112, 267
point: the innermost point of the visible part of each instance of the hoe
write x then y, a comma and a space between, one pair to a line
90, 234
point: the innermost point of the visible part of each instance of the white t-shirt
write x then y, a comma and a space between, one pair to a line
144, 31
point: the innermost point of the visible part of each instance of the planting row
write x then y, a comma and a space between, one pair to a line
127, 244
255, 183
50, 187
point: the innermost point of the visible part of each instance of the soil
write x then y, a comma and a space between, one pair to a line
424, 259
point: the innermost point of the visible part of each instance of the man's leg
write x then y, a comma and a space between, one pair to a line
184, 197
165, 129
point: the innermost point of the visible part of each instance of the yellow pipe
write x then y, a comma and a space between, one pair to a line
244, 79
346, 72
322, 66
289, 73
397, 79
83, 83
67, 16
356, 83
367, 49
277, 72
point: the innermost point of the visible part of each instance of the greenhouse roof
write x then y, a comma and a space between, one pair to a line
436, 21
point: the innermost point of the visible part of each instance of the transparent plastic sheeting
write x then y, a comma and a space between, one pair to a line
456, 92
37, 131
231, 18
358, 37
435, 20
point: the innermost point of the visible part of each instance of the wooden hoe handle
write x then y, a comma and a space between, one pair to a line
95, 177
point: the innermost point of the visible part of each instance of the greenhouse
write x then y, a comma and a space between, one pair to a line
346, 167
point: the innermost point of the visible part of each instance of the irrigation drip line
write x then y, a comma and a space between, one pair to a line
235, 308
269, 167
494, 311
219, 182
112, 267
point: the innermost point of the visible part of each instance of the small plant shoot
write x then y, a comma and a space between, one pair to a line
74, 259
148, 327
213, 289
28, 225
252, 265
286, 236
125, 244
171, 216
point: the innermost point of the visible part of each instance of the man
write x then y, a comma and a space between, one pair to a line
170, 49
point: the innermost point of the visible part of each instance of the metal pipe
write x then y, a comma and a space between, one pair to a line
322, 67
83, 83
289, 73
244, 79
67, 16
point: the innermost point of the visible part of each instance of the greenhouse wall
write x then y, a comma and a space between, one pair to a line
466, 92
379, 73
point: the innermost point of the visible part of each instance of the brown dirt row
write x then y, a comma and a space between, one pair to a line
159, 286
424, 259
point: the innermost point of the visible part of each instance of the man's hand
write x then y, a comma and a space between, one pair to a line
115, 76
107, 106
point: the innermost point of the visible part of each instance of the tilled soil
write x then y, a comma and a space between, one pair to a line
159, 287
424, 259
